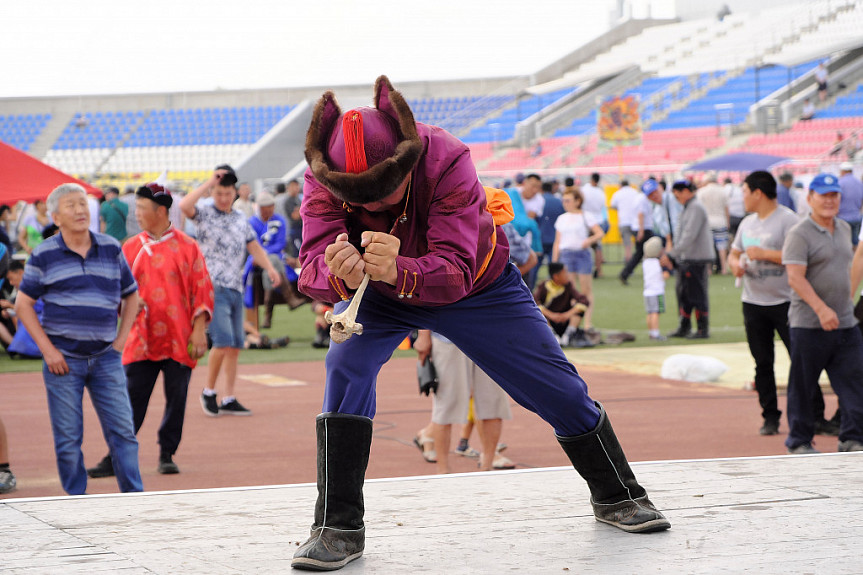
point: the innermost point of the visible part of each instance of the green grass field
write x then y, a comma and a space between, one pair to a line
617, 308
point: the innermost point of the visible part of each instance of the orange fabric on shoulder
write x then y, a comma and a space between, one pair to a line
499, 205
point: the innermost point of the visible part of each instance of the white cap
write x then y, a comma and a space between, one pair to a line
265, 199
846, 166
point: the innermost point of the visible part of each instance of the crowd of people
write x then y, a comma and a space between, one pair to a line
789, 245
179, 293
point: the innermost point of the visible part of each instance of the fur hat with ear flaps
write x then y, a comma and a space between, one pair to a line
365, 154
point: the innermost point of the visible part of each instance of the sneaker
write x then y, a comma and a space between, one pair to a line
850, 445
802, 449
826, 427
468, 451
7, 481
580, 340
769, 428
167, 465
210, 405
104, 468
233, 407
658, 338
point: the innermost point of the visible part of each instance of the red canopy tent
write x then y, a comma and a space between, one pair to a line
23, 177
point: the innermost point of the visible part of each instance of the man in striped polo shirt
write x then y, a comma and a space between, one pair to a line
82, 278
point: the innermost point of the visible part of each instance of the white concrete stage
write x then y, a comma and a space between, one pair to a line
796, 514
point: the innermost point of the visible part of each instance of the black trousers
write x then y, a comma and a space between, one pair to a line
761, 322
141, 379
691, 288
636, 255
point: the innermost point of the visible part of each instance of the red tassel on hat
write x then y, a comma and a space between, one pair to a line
355, 149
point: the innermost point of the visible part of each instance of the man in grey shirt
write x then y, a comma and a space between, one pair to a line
756, 260
693, 255
824, 335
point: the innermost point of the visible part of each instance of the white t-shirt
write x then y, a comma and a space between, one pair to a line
625, 201
94, 205
735, 201
594, 201
574, 229
654, 283
715, 200
536, 204
643, 206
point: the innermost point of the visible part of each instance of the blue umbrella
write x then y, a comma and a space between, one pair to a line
739, 162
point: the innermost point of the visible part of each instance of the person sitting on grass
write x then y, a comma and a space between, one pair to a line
563, 307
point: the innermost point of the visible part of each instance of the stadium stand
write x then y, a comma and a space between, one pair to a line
21, 130
692, 77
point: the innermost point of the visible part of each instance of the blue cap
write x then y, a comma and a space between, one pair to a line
824, 184
649, 186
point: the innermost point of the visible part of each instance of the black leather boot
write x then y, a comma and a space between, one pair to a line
703, 330
268, 310
338, 534
616, 496
683, 329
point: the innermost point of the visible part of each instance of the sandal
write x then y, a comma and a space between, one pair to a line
429, 454
501, 462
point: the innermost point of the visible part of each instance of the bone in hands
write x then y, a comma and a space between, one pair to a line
344, 325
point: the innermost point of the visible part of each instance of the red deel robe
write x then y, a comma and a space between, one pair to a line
175, 287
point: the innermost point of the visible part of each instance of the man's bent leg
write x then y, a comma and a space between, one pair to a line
615, 494
518, 351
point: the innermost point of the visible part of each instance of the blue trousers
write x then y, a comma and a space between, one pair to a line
501, 329
840, 354
103, 375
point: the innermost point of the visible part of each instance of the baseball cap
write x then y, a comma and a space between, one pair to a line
265, 199
846, 166
649, 186
653, 247
824, 184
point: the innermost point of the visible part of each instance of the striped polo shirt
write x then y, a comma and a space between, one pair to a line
81, 295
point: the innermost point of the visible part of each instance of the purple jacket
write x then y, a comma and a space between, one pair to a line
444, 242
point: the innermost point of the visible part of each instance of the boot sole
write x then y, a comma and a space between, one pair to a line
646, 527
308, 564
99, 474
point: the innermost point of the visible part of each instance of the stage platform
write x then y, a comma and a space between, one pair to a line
784, 514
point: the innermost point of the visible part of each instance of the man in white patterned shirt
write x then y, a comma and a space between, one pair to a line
224, 235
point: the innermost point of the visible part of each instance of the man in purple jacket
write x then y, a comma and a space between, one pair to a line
401, 201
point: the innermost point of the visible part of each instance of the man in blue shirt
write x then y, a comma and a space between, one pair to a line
851, 200
82, 278
272, 231
783, 191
